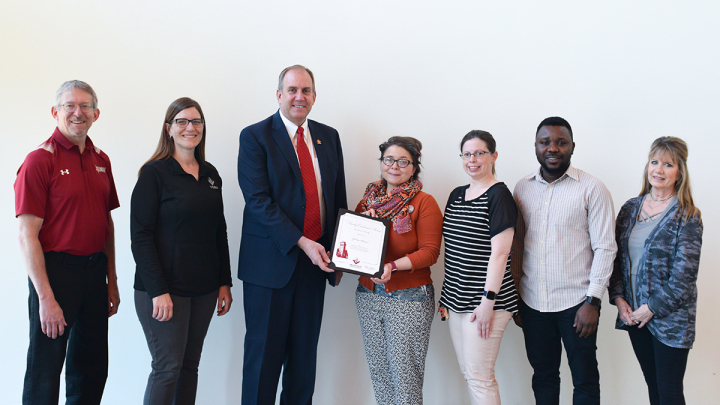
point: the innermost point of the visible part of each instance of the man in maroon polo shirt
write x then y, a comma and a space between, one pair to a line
64, 193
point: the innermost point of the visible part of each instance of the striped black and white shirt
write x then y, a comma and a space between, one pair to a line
468, 227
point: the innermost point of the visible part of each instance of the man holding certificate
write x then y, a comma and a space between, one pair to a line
291, 174
396, 310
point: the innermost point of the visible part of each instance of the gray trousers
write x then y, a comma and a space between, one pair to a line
396, 334
175, 346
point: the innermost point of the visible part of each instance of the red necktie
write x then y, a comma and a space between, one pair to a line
311, 226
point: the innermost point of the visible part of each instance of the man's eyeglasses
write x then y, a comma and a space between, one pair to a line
69, 107
182, 122
477, 154
388, 161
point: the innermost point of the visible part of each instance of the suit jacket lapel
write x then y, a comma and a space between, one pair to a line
280, 134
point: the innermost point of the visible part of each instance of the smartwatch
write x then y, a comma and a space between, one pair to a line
489, 294
594, 301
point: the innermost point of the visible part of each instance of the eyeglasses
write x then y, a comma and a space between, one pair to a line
183, 122
388, 161
477, 154
69, 107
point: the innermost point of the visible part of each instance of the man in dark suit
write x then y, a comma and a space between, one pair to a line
291, 174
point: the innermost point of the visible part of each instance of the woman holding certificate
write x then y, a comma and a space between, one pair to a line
478, 296
396, 310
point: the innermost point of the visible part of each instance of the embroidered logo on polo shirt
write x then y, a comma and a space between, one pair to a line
64, 172
212, 184
100, 169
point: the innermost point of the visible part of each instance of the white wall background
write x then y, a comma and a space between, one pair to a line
622, 73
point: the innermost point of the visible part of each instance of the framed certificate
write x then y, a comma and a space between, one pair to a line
359, 244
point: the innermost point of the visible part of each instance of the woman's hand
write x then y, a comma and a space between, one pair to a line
162, 307
625, 311
643, 315
224, 300
370, 213
484, 315
387, 273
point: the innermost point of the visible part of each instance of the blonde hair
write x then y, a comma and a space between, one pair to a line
677, 150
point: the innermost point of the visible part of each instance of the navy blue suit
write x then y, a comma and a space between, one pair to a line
283, 291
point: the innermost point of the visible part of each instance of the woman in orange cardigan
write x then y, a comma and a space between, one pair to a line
396, 310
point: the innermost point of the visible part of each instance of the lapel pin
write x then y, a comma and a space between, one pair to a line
318, 142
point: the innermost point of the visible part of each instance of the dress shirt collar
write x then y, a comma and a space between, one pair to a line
292, 128
570, 172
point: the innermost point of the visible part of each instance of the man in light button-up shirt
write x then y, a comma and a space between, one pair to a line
562, 256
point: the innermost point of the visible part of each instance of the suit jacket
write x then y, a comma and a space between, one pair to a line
270, 179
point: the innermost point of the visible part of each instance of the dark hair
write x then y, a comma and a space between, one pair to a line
555, 122
677, 150
483, 136
295, 67
410, 144
166, 146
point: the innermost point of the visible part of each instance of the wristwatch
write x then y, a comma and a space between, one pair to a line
394, 267
594, 301
489, 294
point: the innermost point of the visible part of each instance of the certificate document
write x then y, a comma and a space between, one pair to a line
359, 244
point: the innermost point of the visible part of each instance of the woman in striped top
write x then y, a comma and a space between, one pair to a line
478, 295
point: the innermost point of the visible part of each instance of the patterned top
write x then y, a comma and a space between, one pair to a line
666, 276
468, 227
564, 243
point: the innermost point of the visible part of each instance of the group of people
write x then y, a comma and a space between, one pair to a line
543, 255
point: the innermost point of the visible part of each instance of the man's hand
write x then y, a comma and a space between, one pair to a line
316, 252
113, 298
224, 300
586, 320
162, 307
52, 320
518, 320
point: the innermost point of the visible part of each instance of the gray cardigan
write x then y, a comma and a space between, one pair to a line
667, 273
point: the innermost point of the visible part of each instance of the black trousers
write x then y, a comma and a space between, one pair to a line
79, 284
544, 332
663, 367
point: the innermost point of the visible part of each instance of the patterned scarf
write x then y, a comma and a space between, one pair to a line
393, 206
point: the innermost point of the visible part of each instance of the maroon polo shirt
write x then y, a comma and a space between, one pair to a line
72, 193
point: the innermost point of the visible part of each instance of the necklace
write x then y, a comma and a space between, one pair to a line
661, 199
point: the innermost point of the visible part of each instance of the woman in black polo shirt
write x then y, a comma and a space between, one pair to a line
179, 241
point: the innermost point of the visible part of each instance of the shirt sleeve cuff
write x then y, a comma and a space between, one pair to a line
596, 290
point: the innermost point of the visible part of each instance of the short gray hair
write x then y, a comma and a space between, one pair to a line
295, 67
75, 84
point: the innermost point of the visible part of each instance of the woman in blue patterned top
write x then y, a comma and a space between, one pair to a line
478, 296
653, 285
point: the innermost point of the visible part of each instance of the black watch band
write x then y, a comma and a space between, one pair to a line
489, 294
594, 301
